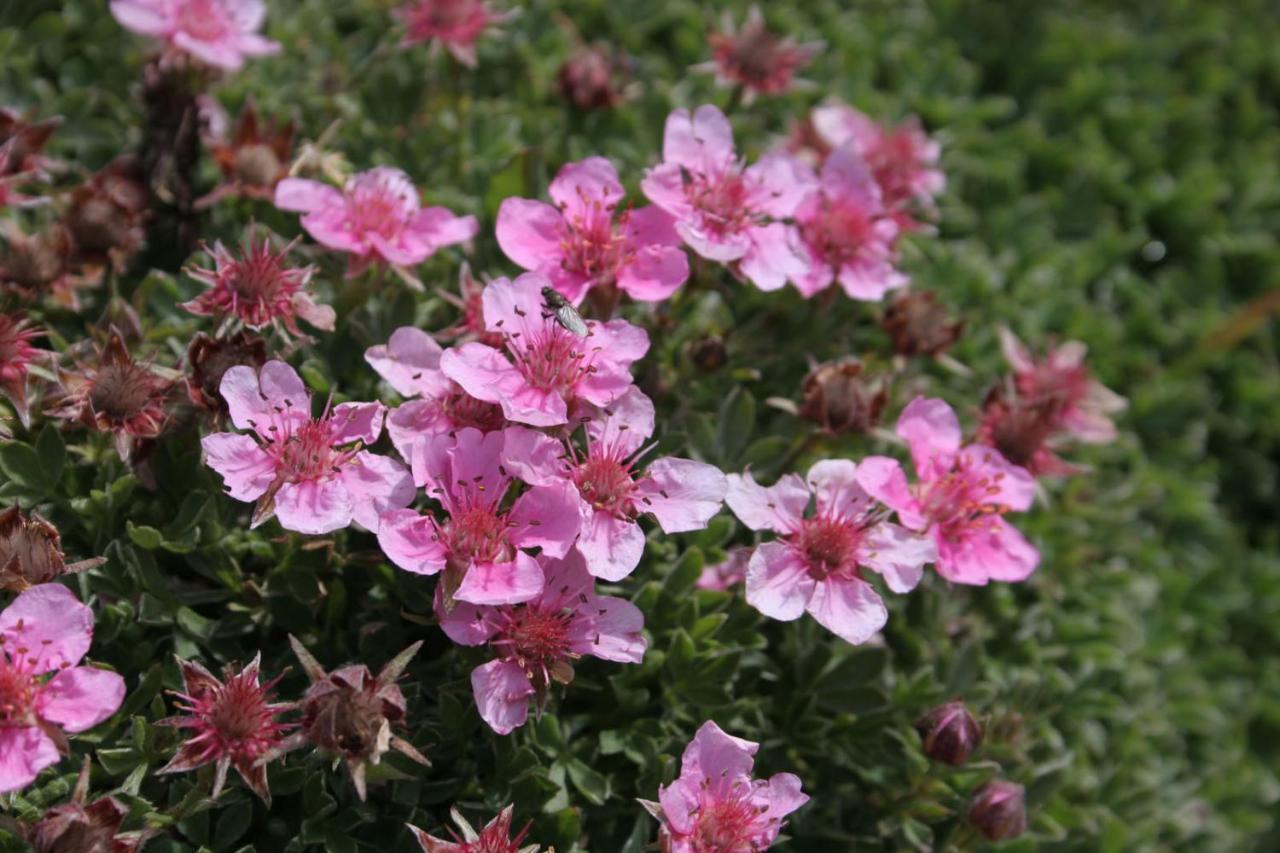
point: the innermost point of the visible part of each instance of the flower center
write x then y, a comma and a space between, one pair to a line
828, 545
477, 533
307, 453
592, 248
839, 233
17, 694
463, 410
956, 501
376, 209
726, 824
894, 163
257, 164
537, 640
120, 391
551, 358
204, 20
605, 483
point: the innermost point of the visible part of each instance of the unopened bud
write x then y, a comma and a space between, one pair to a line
999, 810
949, 733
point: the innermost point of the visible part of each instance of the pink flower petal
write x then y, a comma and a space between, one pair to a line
247, 470
24, 752
884, 480
304, 196
714, 754
515, 306
850, 609
145, 19
502, 694
779, 183
835, 487
932, 432
501, 583
772, 257
654, 273
701, 143
898, 555
546, 517
314, 506
485, 374
411, 541
437, 227
681, 493
994, 551
778, 582
529, 232
650, 226
615, 634
534, 457
779, 507
376, 484
664, 186
1008, 485
47, 627
580, 185
611, 546
81, 697
356, 422
410, 363
466, 624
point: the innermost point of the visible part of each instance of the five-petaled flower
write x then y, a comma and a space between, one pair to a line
376, 216
455, 24
960, 497
715, 805
550, 370
257, 286
220, 33
726, 211
312, 473
613, 488
46, 630
817, 563
536, 642
480, 540
582, 243
232, 723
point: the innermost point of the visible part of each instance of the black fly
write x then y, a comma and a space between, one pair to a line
564, 312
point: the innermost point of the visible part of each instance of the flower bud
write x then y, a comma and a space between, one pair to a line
592, 78
949, 733
999, 811
709, 353
839, 398
918, 325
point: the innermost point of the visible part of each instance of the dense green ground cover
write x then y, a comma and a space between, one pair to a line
1113, 179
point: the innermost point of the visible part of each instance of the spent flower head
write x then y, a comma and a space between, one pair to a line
31, 552
494, 837
16, 356
455, 25
756, 59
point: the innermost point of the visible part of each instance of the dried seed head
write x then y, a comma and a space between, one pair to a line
919, 325
840, 398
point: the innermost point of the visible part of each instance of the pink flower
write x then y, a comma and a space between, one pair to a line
903, 159
537, 641
960, 498
1061, 381
410, 363
818, 561
376, 217
456, 24
480, 541
233, 724
16, 356
549, 368
46, 630
725, 211
494, 837
258, 287
579, 244
846, 234
221, 33
715, 804
312, 473
727, 574
758, 60
681, 494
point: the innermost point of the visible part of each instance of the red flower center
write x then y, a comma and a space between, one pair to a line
839, 233
551, 358
828, 545
121, 391
605, 482
17, 693
537, 639
592, 247
463, 410
727, 822
476, 533
204, 20
722, 199
308, 454
957, 501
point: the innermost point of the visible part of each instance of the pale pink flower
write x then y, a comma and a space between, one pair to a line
536, 642
232, 723
817, 563
613, 489
753, 57
723, 576
959, 499
547, 370
903, 159
494, 837
312, 473
221, 33
480, 540
579, 243
46, 630
846, 234
410, 363
726, 211
257, 286
716, 805
1062, 381
455, 24
376, 216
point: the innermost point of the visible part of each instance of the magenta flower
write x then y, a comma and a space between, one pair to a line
494, 837
817, 563
312, 473
257, 286
549, 369
455, 24
716, 805
410, 363
846, 234
46, 630
1083, 406
536, 642
903, 159
232, 723
725, 575
221, 33
481, 540
580, 244
681, 494
725, 211
960, 498
375, 217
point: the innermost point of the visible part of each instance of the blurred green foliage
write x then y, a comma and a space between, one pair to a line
1113, 178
